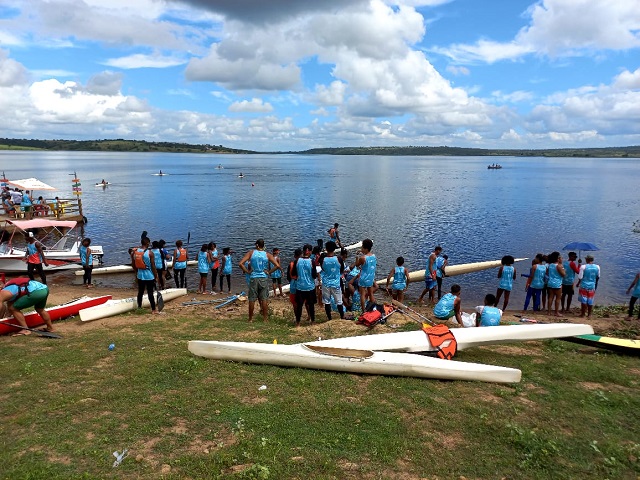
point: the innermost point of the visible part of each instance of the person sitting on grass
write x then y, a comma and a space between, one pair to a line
33, 294
488, 315
449, 305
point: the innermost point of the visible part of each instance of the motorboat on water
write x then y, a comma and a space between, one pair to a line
61, 241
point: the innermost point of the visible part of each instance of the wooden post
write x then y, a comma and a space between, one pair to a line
80, 208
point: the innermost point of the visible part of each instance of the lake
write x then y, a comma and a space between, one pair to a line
406, 205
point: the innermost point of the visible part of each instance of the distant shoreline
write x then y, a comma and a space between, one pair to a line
133, 146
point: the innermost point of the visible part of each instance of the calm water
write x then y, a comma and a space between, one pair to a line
406, 205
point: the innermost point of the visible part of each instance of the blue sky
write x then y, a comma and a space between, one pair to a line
298, 74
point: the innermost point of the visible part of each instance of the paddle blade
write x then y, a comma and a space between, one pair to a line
159, 301
41, 333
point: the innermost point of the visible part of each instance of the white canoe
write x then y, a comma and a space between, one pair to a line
116, 307
417, 341
453, 270
354, 361
122, 269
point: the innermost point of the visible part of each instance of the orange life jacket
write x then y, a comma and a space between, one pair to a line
138, 259
182, 255
439, 335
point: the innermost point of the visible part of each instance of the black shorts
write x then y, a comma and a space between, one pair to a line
568, 290
277, 280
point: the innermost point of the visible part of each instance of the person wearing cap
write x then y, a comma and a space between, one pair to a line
587, 284
34, 256
36, 297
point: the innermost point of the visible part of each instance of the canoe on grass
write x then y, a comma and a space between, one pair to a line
453, 270
116, 307
619, 345
56, 313
417, 341
352, 360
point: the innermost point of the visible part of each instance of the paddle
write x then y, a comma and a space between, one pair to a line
205, 302
419, 315
42, 333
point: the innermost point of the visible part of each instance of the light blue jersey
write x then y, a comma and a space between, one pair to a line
636, 290
83, 256
555, 279
331, 272
259, 263
305, 281
278, 272
439, 265
399, 279
589, 275
506, 280
538, 277
444, 306
569, 274
157, 258
227, 265
368, 271
490, 317
203, 262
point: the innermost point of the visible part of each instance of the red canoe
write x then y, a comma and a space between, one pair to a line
56, 313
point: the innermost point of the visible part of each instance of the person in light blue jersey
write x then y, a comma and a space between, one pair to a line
276, 276
292, 277
225, 268
334, 235
555, 274
157, 255
587, 285
143, 262
634, 296
507, 275
305, 271
450, 305
204, 265
18, 297
571, 269
431, 276
331, 272
367, 263
537, 283
488, 315
441, 265
258, 284
86, 260
400, 276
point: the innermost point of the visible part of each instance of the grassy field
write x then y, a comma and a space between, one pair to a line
69, 404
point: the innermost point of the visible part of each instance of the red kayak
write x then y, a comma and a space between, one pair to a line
56, 313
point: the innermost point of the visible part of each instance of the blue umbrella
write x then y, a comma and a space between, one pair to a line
586, 246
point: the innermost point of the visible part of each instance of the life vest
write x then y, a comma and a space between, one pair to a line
370, 319
23, 286
182, 255
438, 335
138, 259
33, 255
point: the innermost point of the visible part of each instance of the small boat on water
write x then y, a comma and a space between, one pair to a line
241, 175
219, 166
61, 241
102, 184
494, 166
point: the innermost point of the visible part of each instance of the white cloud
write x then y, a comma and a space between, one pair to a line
627, 80
512, 97
139, 60
11, 72
561, 28
254, 105
105, 83
332, 94
458, 70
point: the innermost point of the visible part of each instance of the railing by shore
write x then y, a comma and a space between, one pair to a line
64, 209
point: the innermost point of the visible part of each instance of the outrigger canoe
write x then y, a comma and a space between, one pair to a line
620, 345
122, 269
352, 360
453, 270
417, 341
56, 313
116, 307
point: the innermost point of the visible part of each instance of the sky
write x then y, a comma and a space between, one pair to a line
289, 75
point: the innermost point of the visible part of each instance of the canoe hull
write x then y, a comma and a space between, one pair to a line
619, 345
353, 361
56, 313
123, 269
116, 307
417, 341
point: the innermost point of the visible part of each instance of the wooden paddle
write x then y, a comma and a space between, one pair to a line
42, 333
419, 315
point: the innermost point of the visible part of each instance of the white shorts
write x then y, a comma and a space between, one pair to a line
328, 292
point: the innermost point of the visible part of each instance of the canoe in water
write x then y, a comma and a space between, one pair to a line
417, 341
59, 312
121, 269
116, 307
453, 270
352, 360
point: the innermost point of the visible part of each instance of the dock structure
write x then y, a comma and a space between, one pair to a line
66, 209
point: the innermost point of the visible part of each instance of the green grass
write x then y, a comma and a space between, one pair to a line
68, 404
